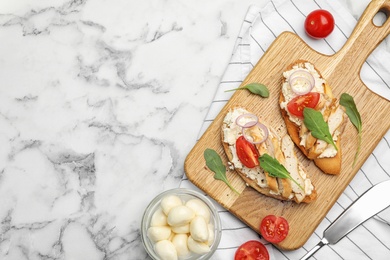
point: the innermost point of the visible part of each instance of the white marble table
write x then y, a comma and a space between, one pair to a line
100, 102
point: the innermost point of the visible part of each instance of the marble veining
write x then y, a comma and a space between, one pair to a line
100, 103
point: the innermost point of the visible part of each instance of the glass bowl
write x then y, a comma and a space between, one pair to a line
185, 195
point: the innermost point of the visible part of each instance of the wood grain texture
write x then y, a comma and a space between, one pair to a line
342, 71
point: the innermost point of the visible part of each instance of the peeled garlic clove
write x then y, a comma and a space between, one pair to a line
180, 215
180, 243
165, 250
158, 218
169, 202
184, 229
210, 241
199, 207
199, 229
197, 247
159, 233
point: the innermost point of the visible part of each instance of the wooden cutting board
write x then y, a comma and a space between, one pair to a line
342, 71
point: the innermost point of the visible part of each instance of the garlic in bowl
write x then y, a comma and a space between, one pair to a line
180, 224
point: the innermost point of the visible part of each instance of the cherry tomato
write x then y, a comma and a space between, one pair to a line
252, 250
274, 229
319, 24
247, 152
297, 104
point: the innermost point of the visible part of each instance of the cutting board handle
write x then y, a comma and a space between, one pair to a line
366, 34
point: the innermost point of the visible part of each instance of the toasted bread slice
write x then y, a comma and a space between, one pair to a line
280, 148
324, 155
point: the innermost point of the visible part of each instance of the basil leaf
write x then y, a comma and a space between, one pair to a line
347, 101
255, 88
215, 164
275, 168
258, 89
314, 121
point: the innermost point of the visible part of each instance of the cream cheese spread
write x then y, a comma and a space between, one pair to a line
231, 131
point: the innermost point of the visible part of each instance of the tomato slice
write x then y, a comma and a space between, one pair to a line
247, 152
274, 229
297, 104
252, 250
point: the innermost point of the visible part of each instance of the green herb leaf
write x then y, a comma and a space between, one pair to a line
275, 168
347, 101
255, 88
315, 122
215, 164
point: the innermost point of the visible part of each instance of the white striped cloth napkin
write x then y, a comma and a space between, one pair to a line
260, 28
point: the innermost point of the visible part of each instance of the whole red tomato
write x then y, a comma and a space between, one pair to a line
319, 24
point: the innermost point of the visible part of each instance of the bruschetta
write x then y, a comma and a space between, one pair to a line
303, 86
245, 139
